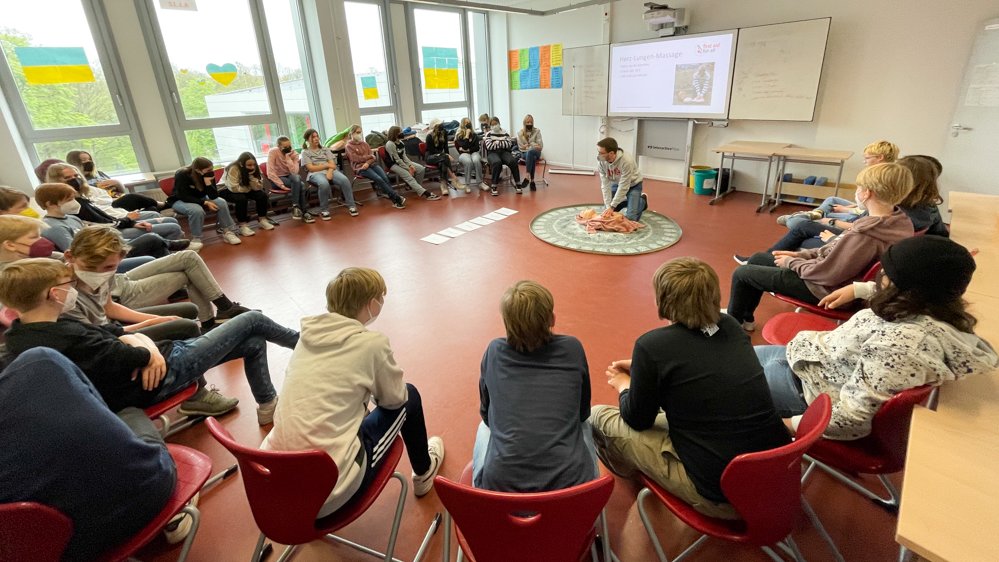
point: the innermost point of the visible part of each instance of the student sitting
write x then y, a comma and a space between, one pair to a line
337, 368
282, 169
131, 369
839, 212
692, 397
499, 145
62, 447
534, 391
530, 144
363, 162
809, 275
16, 202
917, 331
484, 125
400, 164
438, 154
321, 164
132, 224
94, 256
83, 162
467, 143
194, 195
242, 183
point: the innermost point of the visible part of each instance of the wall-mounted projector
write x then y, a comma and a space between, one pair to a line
667, 21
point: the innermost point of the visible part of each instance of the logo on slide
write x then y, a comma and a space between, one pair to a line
708, 48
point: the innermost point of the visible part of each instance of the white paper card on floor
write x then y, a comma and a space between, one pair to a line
451, 232
435, 239
481, 221
495, 216
468, 226
505, 211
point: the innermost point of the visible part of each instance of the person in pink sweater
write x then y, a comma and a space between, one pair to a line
283, 169
363, 161
809, 275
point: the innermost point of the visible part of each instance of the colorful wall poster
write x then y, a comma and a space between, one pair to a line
536, 68
369, 87
440, 68
54, 65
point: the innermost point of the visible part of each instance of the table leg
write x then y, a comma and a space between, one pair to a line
766, 185
718, 192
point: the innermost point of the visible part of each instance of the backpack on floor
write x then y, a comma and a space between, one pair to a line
376, 139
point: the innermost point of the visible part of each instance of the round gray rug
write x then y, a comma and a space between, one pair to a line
558, 227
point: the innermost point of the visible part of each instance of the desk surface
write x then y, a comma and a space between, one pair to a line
792, 152
952, 473
752, 147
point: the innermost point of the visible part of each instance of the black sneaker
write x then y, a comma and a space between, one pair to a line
741, 260
523, 183
228, 314
494, 192
534, 186
430, 196
178, 245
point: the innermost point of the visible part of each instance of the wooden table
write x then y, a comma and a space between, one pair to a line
950, 500
745, 150
815, 156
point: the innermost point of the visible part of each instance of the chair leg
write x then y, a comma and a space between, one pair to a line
770, 552
434, 525
794, 549
822, 530
195, 515
393, 535
890, 503
220, 476
904, 554
258, 550
648, 525
605, 536
446, 555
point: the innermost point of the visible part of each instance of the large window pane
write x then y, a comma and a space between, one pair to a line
224, 144
288, 51
379, 122
439, 52
478, 60
214, 59
112, 155
445, 115
55, 65
367, 53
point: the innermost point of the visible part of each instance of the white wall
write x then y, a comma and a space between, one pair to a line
892, 71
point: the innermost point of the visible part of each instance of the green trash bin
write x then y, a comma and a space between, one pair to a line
704, 181
692, 170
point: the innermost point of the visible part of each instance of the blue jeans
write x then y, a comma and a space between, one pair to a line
195, 214
531, 158
128, 264
785, 386
633, 204
380, 179
299, 197
244, 337
168, 230
801, 232
483, 433
326, 190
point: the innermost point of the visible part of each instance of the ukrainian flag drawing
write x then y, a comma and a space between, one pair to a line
369, 87
440, 68
54, 65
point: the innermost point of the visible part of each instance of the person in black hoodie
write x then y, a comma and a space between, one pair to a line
467, 143
195, 194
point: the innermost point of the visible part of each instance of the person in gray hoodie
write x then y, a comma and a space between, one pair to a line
620, 180
917, 331
809, 275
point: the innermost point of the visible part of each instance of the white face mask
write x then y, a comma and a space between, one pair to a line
602, 157
70, 207
860, 204
373, 317
496, 129
70, 302
358, 137
94, 279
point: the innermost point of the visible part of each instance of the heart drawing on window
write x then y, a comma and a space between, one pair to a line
223, 74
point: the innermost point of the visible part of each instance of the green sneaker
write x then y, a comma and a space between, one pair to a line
208, 402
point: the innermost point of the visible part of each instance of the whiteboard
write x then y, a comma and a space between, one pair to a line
777, 70
584, 80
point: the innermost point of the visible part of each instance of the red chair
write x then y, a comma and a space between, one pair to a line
166, 185
881, 453
431, 168
553, 526
838, 315
32, 532
160, 410
764, 487
782, 328
286, 489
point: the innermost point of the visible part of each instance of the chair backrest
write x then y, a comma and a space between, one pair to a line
285, 489
32, 532
218, 174
765, 487
890, 426
42, 169
383, 155
423, 150
166, 185
872, 272
546, 526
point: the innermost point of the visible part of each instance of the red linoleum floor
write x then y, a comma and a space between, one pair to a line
441, 310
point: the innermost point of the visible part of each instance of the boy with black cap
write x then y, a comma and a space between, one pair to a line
916, 332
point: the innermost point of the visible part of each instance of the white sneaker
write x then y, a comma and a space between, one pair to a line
423, 483
231, 238
265, 412
265, 224
180, 526
196, 245
245, 230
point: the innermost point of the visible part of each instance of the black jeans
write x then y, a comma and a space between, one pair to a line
760, 275
497, 159
241, 200
801, 234
134, 202
148, 245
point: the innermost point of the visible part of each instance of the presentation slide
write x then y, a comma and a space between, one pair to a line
685, 76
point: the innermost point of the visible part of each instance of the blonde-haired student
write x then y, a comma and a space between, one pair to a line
534, 391
530, 144
338, 368
692, 397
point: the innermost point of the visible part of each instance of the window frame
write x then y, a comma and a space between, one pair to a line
128, 124
169, 92
391, 72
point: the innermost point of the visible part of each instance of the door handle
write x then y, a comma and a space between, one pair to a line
956, 129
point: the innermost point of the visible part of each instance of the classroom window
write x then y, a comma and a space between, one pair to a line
63, 89
367, 53
224, 144
448, 114
290, 53
478, 61
377, 122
